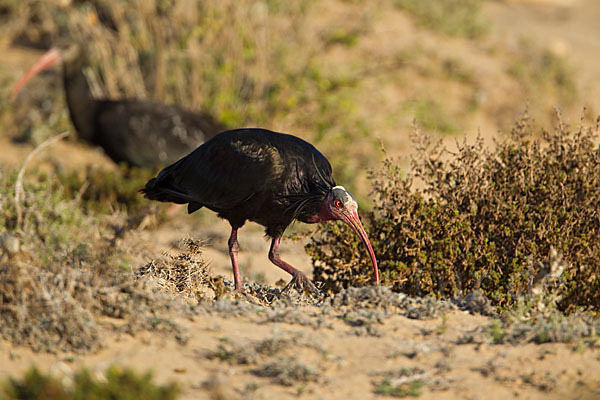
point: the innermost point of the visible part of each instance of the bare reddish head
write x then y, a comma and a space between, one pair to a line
340, 205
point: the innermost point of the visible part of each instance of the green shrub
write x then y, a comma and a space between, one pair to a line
119, 384
480, 219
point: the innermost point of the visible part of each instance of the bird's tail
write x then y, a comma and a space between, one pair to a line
162, 188
156, 190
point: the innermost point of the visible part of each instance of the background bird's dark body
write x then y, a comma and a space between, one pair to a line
139, 133
249, 174
144, 133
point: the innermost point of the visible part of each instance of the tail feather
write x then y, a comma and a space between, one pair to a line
162, 189
154, 190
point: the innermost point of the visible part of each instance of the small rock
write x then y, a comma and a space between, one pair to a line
10, 244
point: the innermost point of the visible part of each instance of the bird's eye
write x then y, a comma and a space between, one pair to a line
339, 204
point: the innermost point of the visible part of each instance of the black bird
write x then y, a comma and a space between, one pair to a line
263, 176
137, 132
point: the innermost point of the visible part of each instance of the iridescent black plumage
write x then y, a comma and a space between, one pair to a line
249, 174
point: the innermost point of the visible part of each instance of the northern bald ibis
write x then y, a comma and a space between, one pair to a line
263, 176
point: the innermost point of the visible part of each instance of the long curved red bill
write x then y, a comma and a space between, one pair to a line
50, 58
351, 218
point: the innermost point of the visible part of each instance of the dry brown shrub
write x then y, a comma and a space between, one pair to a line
484, 219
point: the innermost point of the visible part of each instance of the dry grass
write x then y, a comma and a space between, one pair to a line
62, 270
60, 310
186, 273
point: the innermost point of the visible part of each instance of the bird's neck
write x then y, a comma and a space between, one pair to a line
82, 105
323, 215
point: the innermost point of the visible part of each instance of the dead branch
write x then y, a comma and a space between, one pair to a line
19, 183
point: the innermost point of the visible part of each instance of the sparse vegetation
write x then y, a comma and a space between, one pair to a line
288, 371
404, 382
451, 17
412, 388
66, 272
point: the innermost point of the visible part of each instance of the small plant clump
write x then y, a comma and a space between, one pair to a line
186, 273
117, 384
404, 382
288, 371
487, 220
387, 388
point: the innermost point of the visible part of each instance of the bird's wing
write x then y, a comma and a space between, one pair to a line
226, 172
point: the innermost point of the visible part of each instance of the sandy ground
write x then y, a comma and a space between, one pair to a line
328, 351
321, 352
568, 27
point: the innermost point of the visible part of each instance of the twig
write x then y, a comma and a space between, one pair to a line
19, 182
81, 191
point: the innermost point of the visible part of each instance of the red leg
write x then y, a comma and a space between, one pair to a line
233, 253
299, 280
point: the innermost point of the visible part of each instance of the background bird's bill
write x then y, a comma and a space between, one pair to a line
50, 58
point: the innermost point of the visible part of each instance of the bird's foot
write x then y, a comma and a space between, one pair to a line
239, 292
300, 282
